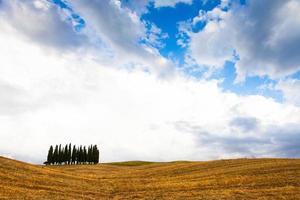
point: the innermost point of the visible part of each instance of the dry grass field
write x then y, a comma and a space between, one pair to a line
222, 179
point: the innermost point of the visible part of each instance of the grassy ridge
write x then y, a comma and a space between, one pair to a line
131, 163
222, 179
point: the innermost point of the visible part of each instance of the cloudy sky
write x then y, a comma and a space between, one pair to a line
153, 80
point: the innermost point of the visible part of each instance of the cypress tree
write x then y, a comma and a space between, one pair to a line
62, 155
96, 155
50, 156
74, 155
84, 155
93, 154
89, 159
63, 152
59, 157
88, 155
77, 155
66, 151
70, 154
80, 155
55, 155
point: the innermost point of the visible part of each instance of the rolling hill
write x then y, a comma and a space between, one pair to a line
221, 179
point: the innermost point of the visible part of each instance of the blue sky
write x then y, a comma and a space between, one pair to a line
167, 19
150, 79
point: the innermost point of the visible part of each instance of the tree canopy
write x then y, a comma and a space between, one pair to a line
76, 155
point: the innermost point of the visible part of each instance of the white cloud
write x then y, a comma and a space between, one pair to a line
170, 3
208, 47
41, 22
265, 38
107, 33
50, 97
140, 6
290, 89
155, 37
131, 115
214, 51
121, 30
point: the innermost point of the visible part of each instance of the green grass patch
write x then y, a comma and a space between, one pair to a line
131, 163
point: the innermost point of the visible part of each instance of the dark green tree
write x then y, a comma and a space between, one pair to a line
69, 153
89, 156
50, 156
65, 154
77, 155
95, 153
74, 155
59, 158
55, 155
84, 155
80, 156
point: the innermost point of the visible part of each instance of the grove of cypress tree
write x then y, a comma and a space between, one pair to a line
77, 155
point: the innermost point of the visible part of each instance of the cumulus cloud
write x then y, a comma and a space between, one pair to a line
131, 115
122, 32
41, 22
48, 98
245, 123
290, 89
107, 34
140, 6
266, 40
12, 100
263, 141
170, 3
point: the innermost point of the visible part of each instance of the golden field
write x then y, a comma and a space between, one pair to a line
221, 179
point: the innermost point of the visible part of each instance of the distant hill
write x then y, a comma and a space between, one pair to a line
221, 179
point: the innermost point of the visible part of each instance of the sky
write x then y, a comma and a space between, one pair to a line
155, 80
